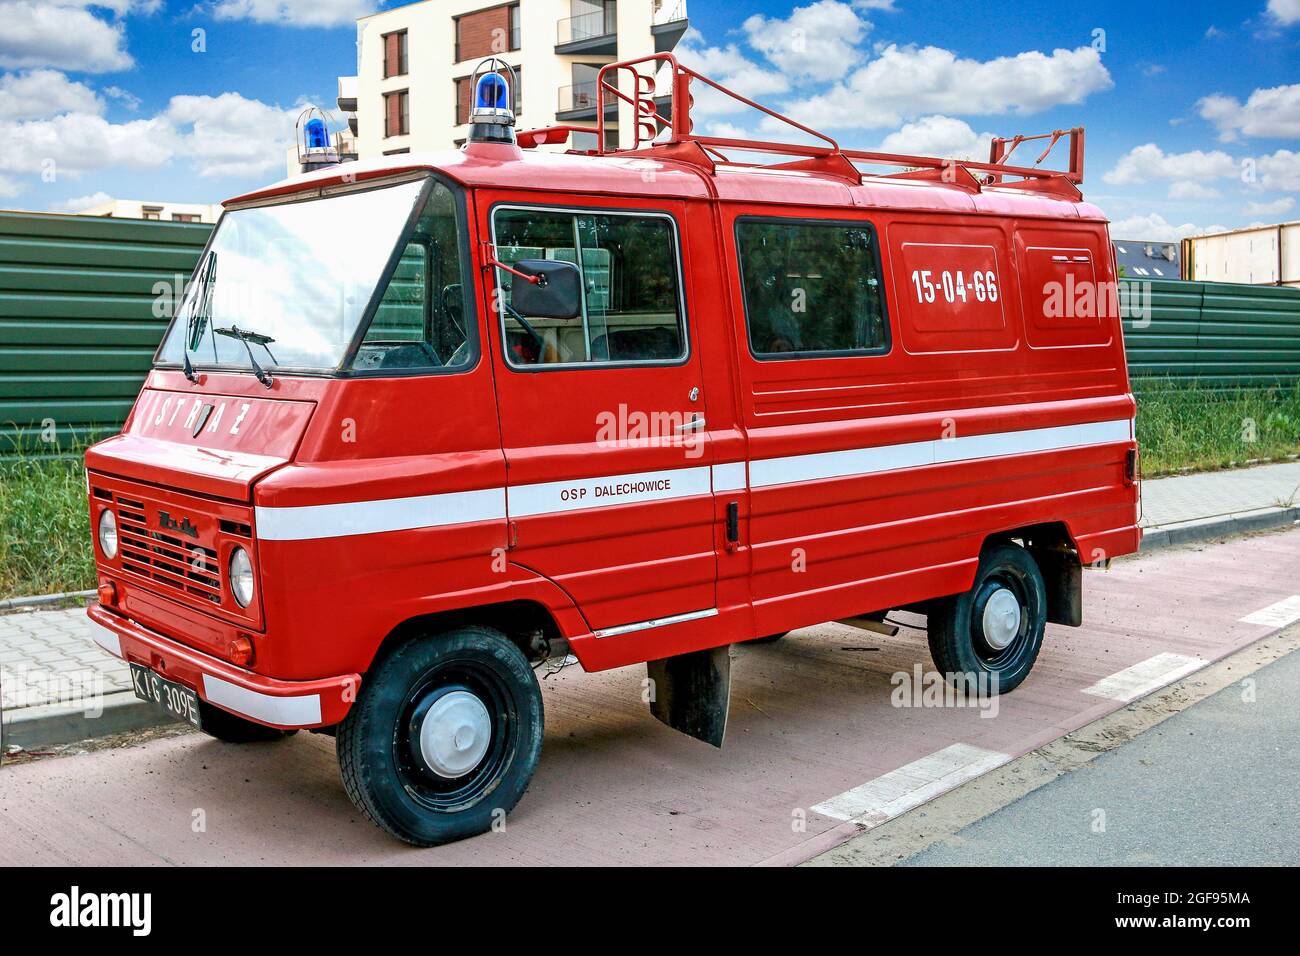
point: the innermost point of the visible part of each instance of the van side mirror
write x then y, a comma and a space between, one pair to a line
557, 293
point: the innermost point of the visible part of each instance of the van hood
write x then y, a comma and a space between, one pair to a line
210, 444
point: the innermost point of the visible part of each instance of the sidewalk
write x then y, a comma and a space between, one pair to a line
57, 686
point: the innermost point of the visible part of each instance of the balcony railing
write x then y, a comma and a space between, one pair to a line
586, 26
669, 13
581, 96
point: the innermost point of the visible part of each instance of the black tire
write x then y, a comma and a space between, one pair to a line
230, 729
387, 773
958, 643
769, 639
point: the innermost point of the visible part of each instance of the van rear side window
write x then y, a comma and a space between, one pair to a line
632, 309
811, 288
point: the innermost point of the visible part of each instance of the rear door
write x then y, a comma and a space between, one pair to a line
603, 416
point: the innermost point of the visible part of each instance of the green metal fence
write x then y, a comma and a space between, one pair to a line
83, 304
1216, 333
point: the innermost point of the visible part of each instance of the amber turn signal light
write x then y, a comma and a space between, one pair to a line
240, 651
108, 593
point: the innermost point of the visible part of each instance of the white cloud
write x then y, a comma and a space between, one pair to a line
40, 94
229, 135
816, 40
1191, 189
1155, 228
81, 203
1285, 12
904, 82
728, 66
76, 143
884, 6
295, 13
940, 136
62, 34
125, 97
1271, 112
9, 187
1280, 171
1147, 162
226, 135
1278, 207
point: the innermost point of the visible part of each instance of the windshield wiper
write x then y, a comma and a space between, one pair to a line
256, 338
197, 320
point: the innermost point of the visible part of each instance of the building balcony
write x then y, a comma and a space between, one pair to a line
669, 26
592, 33
578, 102
348, 94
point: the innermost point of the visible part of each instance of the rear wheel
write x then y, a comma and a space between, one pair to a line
444, 737
995, 628
228, 728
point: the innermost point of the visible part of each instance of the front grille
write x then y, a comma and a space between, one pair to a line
171, 561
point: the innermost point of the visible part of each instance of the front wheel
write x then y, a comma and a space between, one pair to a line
444, 737
993, 631
229, 729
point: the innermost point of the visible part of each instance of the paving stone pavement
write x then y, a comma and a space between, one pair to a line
48, 656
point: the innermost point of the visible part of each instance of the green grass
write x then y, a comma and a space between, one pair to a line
1190, 427
44, 527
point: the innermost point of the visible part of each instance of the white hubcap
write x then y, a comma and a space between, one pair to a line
455, 734
1001, 619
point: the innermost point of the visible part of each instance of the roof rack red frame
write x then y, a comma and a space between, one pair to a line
826, 157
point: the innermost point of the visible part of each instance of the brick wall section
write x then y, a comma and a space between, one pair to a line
475, 33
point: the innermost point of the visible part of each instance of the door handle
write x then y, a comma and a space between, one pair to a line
694, 425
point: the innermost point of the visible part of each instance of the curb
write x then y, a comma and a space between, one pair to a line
47, 725
1205, 529
37, 600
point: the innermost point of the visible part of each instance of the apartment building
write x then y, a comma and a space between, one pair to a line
411, 91
162, 211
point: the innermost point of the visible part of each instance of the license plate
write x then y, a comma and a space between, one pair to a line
177, 699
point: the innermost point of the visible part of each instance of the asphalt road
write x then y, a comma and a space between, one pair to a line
1216, 784
819, 750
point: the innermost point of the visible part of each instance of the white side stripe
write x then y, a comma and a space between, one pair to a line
880, 800
288, 711
870, 461
729, 477
556, 497
553, 497
385, 514
1145, 676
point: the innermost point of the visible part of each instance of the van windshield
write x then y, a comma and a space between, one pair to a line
290, 282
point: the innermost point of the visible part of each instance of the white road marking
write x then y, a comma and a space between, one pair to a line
880, 800
1145, 676
1281, 614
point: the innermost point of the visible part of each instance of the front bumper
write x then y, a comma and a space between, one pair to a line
276, 703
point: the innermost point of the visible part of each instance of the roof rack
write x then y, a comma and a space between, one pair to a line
670, 135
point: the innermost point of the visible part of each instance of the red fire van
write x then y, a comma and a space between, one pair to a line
423, 423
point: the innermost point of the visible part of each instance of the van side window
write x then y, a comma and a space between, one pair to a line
811, 288
631, 303
420, 321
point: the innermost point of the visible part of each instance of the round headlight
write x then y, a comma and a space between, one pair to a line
241, 577
108, 533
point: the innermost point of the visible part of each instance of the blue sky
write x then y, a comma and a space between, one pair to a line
1192, 109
